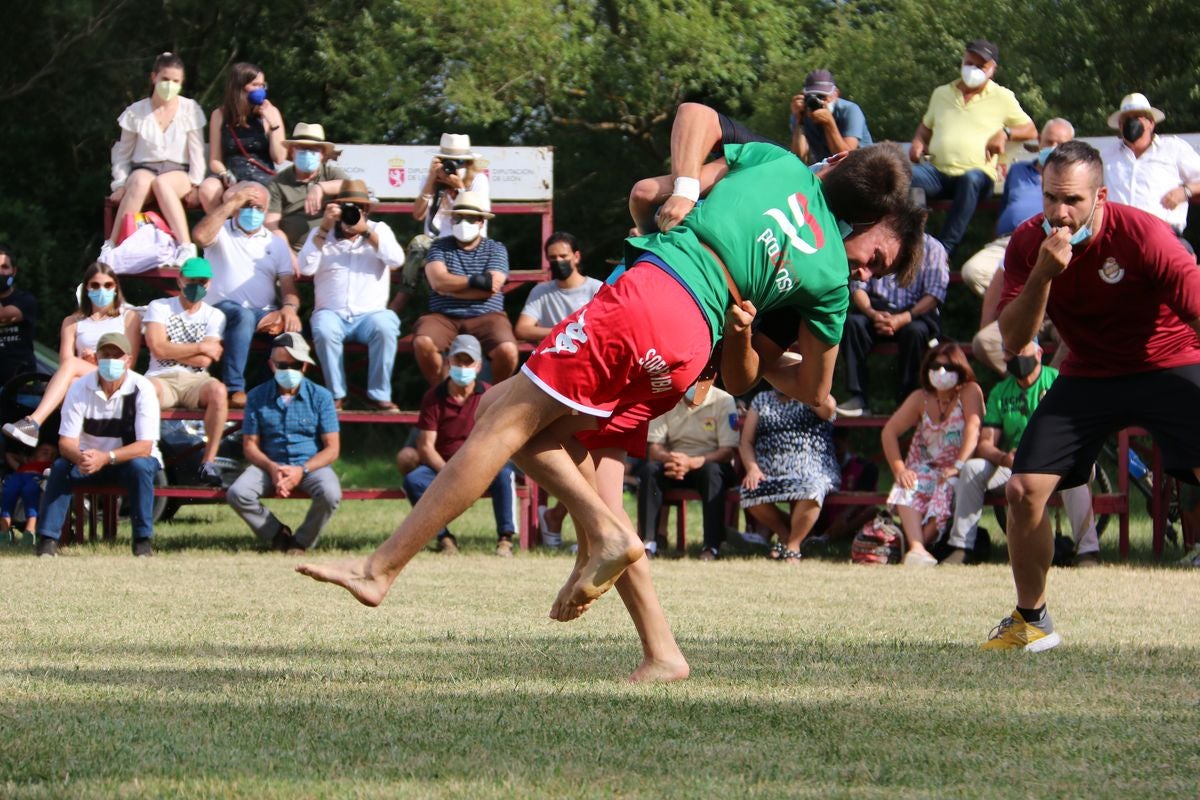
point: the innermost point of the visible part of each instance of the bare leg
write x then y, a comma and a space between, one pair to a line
504, 359
804, 516
56, 389
506, 425
137, 189
913, 532
169, 189
429, 359
773, 517
215, 402
1030, 540
210, 194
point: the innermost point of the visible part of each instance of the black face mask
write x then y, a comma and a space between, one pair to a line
7, 282
560, 270
1132, 129
1021, 366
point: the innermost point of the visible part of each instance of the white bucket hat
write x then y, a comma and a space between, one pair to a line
1134, 103
456, 145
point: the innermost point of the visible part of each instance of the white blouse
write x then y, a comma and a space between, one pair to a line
142, 140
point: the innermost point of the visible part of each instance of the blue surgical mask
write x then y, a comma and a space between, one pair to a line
250, 219
111, 369
288, 379
463, 376
690, 394
256, 97
1080, 235
307, 160
102, 298
195, 292
1043, 154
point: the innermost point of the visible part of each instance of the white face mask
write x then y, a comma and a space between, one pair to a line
466, 232
943, 379
973, 76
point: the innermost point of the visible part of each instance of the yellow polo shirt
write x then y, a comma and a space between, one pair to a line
700, 430
961, 130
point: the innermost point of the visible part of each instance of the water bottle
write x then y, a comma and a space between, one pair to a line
1137, 467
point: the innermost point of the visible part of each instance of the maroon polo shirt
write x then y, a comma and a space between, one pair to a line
450, 420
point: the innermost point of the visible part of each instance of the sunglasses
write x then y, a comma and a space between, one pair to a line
287, 364
94, 285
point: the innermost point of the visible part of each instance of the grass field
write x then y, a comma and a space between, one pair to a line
215, 671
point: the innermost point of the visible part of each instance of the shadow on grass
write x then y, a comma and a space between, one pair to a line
806, 718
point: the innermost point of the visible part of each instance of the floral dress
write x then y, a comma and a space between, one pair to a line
934, 447
794, 450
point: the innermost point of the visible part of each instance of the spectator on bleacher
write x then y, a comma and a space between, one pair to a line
1009, 407
184, 335
247, 261
453, 170
352, 258
883, 310
446, 419
18, 318
161, 150
245, 136
299, 191
553, 301
101, 310
823, 122
946, 412
1022, 199
787, 452
988, 345
466, 273
24, 483
547, 305
291, 439
1158, 174
690, 448
109, 435
965, 129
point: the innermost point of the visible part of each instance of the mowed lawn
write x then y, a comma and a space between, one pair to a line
213, 670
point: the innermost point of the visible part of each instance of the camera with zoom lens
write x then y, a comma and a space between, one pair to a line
351, 214
451, 165
814, 102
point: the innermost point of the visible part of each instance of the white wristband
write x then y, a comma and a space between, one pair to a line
687, 187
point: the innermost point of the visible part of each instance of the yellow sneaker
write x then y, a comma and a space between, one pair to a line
1014, 633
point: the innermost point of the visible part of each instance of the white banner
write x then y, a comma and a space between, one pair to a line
398, 172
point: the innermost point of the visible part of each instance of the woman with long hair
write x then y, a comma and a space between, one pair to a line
245, 135
101, 310
161, 150
947, 412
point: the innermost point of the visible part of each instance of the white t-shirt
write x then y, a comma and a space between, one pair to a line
549, 305
246, 266
89, 416
479, 184
203, 322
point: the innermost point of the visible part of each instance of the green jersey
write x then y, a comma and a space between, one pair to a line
767, 220
1009, 407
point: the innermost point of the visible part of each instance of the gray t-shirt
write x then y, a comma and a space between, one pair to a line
549, 305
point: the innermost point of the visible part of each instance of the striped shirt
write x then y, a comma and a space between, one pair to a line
489, 255
104, 423
931, 279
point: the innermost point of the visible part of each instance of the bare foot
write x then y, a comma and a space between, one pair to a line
351, 576
661, 671
560, 610
601, 570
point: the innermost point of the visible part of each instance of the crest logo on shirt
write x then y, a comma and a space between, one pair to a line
1111, 272
790, 225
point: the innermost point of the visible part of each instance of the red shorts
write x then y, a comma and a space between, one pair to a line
626, 357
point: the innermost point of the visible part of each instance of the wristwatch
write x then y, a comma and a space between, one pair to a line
112, 458
304, 469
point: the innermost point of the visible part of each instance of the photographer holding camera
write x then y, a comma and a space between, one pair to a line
823, 123
352, 256
454, 169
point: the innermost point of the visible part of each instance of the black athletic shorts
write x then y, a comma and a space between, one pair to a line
1070, 425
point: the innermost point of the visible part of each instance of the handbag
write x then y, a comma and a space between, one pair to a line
881, 541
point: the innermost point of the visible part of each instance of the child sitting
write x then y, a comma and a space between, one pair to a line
25, 484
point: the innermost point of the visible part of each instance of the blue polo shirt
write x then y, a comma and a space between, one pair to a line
289, 430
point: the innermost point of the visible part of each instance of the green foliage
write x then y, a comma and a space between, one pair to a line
597, 79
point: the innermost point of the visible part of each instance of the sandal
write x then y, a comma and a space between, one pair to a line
791, 555
777, 551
